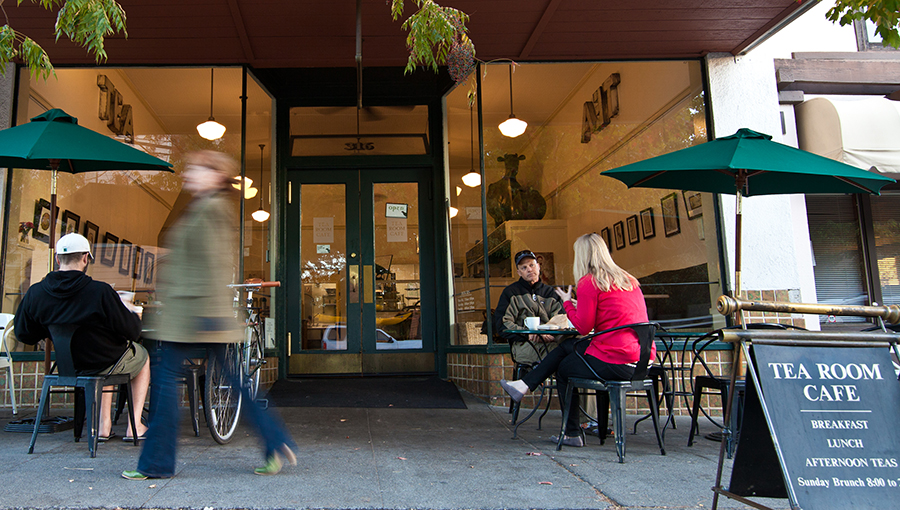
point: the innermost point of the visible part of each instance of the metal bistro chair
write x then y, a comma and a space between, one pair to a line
65, 375
617, 390
193, 379
709, 383
6, 361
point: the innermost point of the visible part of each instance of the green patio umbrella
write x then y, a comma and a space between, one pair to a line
54, 141
747, 163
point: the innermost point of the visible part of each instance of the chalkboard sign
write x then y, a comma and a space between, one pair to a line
835, 412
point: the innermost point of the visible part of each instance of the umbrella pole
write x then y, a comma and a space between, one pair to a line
54, 172
738, 221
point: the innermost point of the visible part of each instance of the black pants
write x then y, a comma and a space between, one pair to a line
566, 363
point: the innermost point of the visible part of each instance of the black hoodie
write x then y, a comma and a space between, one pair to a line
72, 297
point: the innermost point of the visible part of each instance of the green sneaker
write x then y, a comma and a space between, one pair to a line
134, 475
272, 467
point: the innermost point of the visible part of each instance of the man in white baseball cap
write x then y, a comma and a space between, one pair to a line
73, 243
108, 326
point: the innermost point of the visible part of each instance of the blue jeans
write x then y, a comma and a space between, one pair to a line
158, 453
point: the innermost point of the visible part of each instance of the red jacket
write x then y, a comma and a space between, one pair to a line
598, 310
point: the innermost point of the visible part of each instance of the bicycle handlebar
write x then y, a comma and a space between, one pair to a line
259, 285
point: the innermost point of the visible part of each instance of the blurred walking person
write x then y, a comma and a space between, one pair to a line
198, 313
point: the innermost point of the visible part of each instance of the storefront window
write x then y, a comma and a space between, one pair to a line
885, 211
838, 261
126, 214
545, 187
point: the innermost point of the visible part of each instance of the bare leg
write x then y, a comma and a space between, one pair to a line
106, 411
139, 386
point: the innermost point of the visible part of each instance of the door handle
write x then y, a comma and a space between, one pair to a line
353, 294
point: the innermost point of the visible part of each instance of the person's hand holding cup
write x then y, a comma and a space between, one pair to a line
532, 323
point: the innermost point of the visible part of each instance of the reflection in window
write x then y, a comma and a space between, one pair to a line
545, 188
127, 214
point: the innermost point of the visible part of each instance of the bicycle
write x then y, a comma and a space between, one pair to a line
223, 400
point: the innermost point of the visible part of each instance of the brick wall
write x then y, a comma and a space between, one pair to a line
783, 295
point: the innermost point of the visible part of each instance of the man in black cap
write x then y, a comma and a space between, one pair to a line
527, 297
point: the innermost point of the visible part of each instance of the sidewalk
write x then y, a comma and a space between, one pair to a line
374, 459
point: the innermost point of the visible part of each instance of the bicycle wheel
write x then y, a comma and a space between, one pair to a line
253, 360
223, 400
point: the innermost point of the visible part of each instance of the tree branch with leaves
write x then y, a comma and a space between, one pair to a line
437, 36
885, 14
84, 22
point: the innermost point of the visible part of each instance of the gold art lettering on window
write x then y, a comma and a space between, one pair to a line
600, 110
118, 116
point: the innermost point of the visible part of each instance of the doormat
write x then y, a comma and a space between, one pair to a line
48, 425
367, 392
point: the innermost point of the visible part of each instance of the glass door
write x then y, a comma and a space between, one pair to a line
355, 251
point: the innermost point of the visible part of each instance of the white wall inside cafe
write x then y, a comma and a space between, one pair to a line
125, 211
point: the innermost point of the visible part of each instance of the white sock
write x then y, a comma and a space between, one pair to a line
520, 386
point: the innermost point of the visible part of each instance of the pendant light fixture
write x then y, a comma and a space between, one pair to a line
473, 178
512, 127
249, 190
260, 214
211, 130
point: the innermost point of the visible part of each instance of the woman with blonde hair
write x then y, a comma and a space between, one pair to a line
199, 314
608, 296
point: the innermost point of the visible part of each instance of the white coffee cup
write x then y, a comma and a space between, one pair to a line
532, 322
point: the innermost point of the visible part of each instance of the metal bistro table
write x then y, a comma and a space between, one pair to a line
544, 387
671, 348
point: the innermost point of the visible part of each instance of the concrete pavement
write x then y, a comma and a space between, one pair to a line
374, 459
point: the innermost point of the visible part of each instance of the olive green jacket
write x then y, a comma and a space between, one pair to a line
194, 274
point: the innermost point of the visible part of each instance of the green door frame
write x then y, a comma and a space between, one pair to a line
360, 252
440, 240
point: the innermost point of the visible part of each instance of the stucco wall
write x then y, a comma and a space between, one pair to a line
743, 93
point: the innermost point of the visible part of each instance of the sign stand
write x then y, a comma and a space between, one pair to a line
823, 408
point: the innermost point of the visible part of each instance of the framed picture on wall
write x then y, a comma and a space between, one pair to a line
136, 263
70, 223
671, 222
693, 204
631, 223
109, 249
604, 233
125, 254
41, 230
619, 232
91, 233
648, 223
149, 266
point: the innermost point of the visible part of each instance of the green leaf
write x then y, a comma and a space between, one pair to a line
36, 59
432, 32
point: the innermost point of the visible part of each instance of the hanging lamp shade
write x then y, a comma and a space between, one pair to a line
512, 127
260, 215
472, 179
211, 130
453, 211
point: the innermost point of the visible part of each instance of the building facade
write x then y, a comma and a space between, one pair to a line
395, 202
